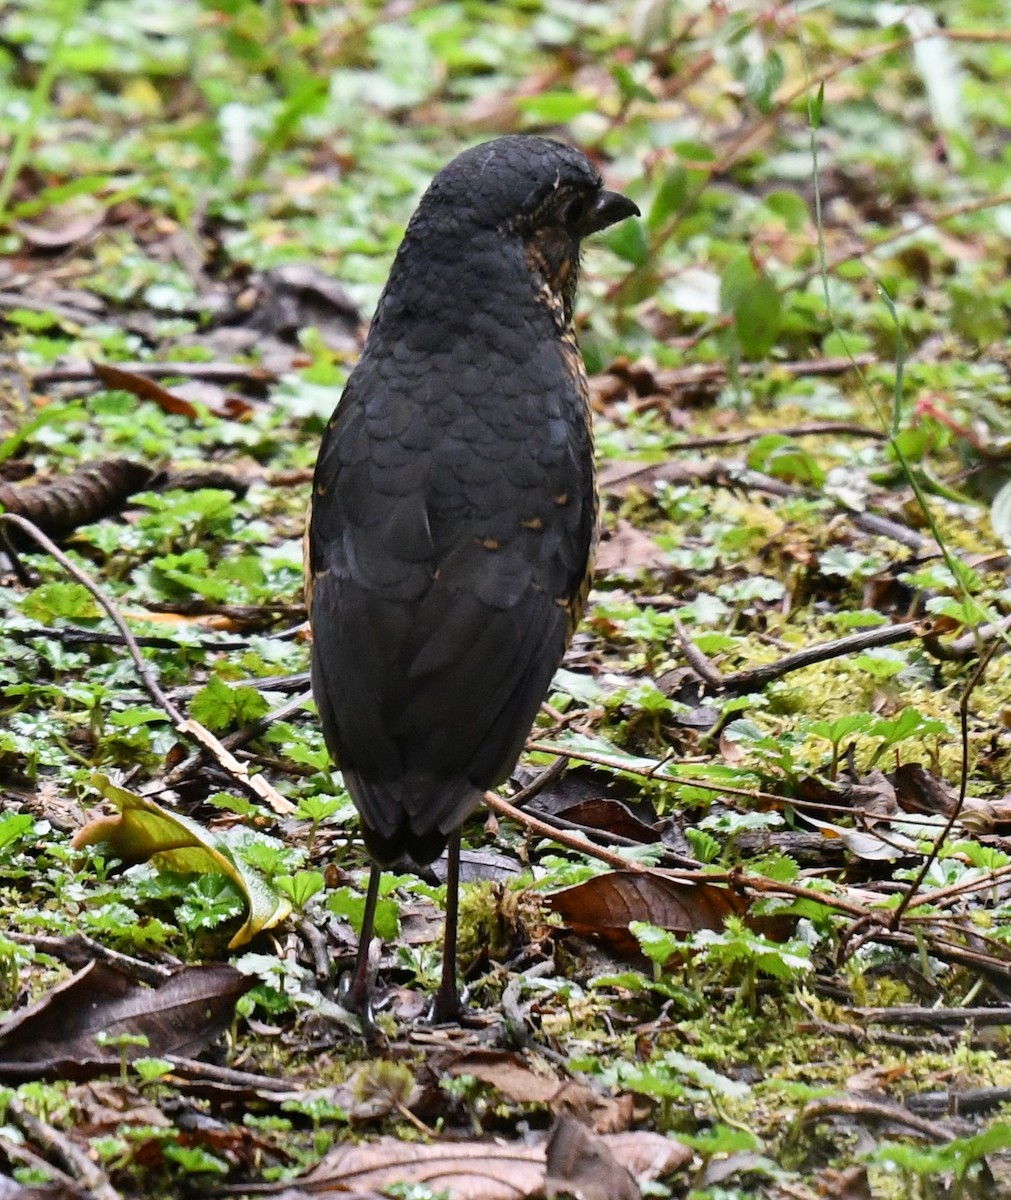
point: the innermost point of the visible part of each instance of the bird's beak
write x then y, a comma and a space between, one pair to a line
611, 207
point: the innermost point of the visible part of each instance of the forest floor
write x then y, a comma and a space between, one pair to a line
748, 932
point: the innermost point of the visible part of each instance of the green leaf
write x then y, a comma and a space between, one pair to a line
14, 827
67, 599
670, 198
883, 663
556, 108
842, 727
791, 206
908, 723
763, 79
780, 456
815, 107
749, 295
219, 706
144, 831
300, 887
659, 945
628, 240
349, 904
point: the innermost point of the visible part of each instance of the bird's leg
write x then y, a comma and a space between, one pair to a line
355, 993
447, 1005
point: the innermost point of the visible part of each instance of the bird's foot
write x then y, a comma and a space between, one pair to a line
355, 994
449, 1007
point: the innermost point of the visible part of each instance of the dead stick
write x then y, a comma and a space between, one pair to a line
256, 784
755, 678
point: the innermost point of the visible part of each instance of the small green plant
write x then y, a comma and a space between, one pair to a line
124, 1043
924, 1169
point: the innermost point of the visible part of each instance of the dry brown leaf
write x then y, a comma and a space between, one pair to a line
612, 817
62, 225
55, 1036
628, 549
602, 907
476, 1170
580, 1163
508, 1074
231, 407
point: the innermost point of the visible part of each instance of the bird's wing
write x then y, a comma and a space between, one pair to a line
440, 578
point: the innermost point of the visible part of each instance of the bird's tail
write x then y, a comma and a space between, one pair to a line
411, 815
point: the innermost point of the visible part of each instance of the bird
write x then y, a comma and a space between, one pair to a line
454, 510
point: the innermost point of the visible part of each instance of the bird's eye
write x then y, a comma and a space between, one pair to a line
575, 210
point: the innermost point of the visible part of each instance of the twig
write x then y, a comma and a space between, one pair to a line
910, 1014
79, 316
79, 949
71, 636
63, 1149
147, 678
942, 837
69, 1188
192, 1069
904, 232
256, 784
879, 1110
755, 678
580, 845
699, 662
742, 436
536, 786
316, 942
966, 647
737, 879
216, 371
239, 738
732, 473
514, 1019
971, 1102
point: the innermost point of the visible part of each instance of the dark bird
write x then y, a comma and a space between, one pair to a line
454, 508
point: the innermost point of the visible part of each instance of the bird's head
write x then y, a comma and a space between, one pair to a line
543, 193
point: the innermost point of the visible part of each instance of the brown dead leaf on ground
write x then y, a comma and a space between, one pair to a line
626, 548
476, 1170
517, 1082
581, 1164
56, 1035
920, 791
603, 907
63, 224
609, 816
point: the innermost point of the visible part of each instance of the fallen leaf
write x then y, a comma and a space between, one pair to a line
55, 1036
612, 817
475, 1170
628, 549
176, 402
508, 1075
603, 907
62, 225
580, 1163
145, 832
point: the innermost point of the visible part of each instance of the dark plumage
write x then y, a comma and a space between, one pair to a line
454, 505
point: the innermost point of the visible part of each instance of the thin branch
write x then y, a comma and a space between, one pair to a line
76, 1161
209, 371
755, 678
942, 837
257, 784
